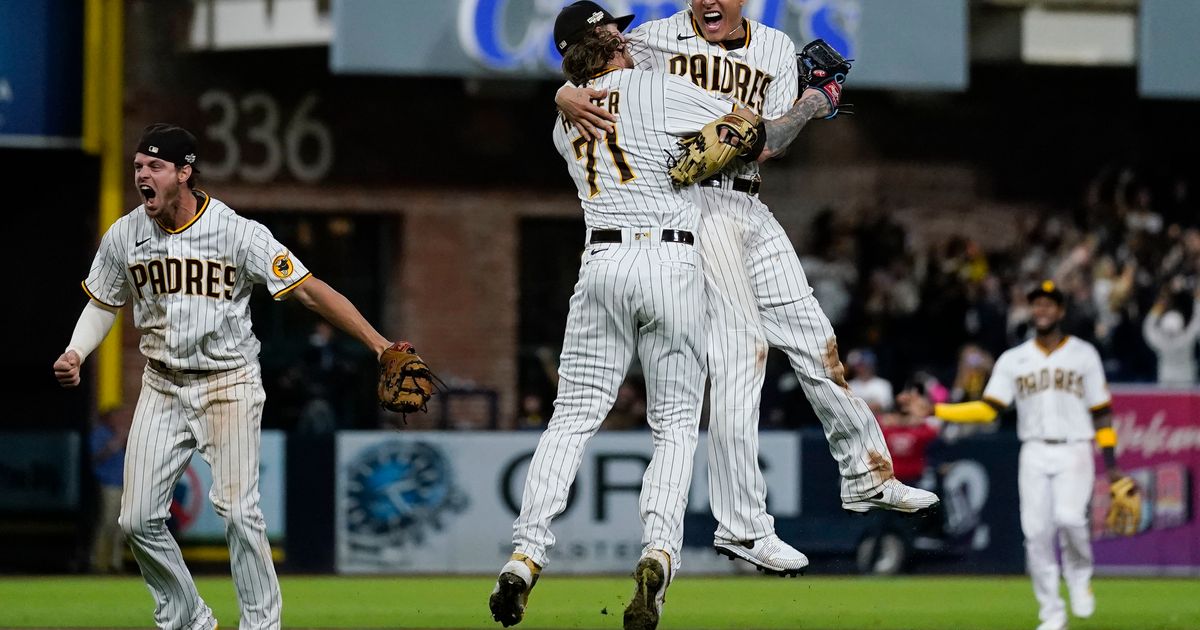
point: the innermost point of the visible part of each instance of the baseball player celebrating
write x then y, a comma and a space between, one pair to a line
640, 290
1063, 404
757, 292
188, 264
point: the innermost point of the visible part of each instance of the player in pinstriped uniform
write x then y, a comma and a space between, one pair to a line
188, 264
640, 290
1057, 383
757, 291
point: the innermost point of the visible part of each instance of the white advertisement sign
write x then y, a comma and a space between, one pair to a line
426, 502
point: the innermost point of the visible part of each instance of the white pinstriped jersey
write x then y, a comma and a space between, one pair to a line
191, 287
1055, 391
622, 180
760, 75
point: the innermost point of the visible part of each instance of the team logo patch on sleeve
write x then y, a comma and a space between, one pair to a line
282, 266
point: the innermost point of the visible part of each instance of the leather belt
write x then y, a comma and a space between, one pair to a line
159, 366
747, 185
1056, 441
668, 236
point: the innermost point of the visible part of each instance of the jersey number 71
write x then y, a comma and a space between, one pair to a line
618, 157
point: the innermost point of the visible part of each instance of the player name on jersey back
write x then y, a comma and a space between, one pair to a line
622, 179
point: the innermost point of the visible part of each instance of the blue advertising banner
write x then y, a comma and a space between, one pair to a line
914, 44
41, 74
1168, 49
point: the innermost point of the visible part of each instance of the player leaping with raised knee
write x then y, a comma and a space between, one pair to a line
758, 294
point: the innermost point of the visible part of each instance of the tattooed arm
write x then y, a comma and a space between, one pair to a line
781, 131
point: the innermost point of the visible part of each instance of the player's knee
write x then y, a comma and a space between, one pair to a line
136, 526
1038, 534
237, 513
1068, 520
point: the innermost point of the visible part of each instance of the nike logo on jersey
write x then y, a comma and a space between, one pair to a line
141, 242
681, 36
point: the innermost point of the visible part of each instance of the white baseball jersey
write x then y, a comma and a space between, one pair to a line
640, 296
1055, 390
191, 286
758, 294
760, 74
622, 179
202, 391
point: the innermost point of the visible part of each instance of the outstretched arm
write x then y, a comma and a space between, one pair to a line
783, 130
323, 300
978, 411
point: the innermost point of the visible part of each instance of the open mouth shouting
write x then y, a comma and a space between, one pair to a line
718, 24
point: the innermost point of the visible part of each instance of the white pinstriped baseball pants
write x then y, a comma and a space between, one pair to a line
757, 296
641, 296
221, 415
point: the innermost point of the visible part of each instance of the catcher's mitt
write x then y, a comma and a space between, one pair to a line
825, 69
1125, 511
707, 152
405, 382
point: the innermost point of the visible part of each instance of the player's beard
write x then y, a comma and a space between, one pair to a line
1054, 328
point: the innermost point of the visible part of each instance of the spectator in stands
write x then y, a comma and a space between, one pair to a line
866, 384
974, 368
629, 410
1173, 341
908, 433
531, 416
107, 447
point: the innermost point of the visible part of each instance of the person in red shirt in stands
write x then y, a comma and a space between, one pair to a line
909, 431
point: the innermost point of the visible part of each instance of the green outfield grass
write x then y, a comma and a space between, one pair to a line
810, 603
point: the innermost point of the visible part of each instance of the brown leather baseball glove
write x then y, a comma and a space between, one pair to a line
707, 152
1125, 511
405, 382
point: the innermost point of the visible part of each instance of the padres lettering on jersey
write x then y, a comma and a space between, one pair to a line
207, 278
1055, 389
745, 85
622, 179
191, 286
757, 73
1062, 380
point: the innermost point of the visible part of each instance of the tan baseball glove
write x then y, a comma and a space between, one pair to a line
707, 152
1125, 511
405, 382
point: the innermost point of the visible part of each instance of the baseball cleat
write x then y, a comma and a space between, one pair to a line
769, 554
1054, 624
511, 593
645, 607
1083, 602
893, 495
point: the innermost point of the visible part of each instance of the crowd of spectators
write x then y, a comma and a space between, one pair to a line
941, 313
1128, 259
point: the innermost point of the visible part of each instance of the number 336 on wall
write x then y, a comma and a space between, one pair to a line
304, 146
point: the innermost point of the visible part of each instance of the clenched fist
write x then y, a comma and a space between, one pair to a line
66, 369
